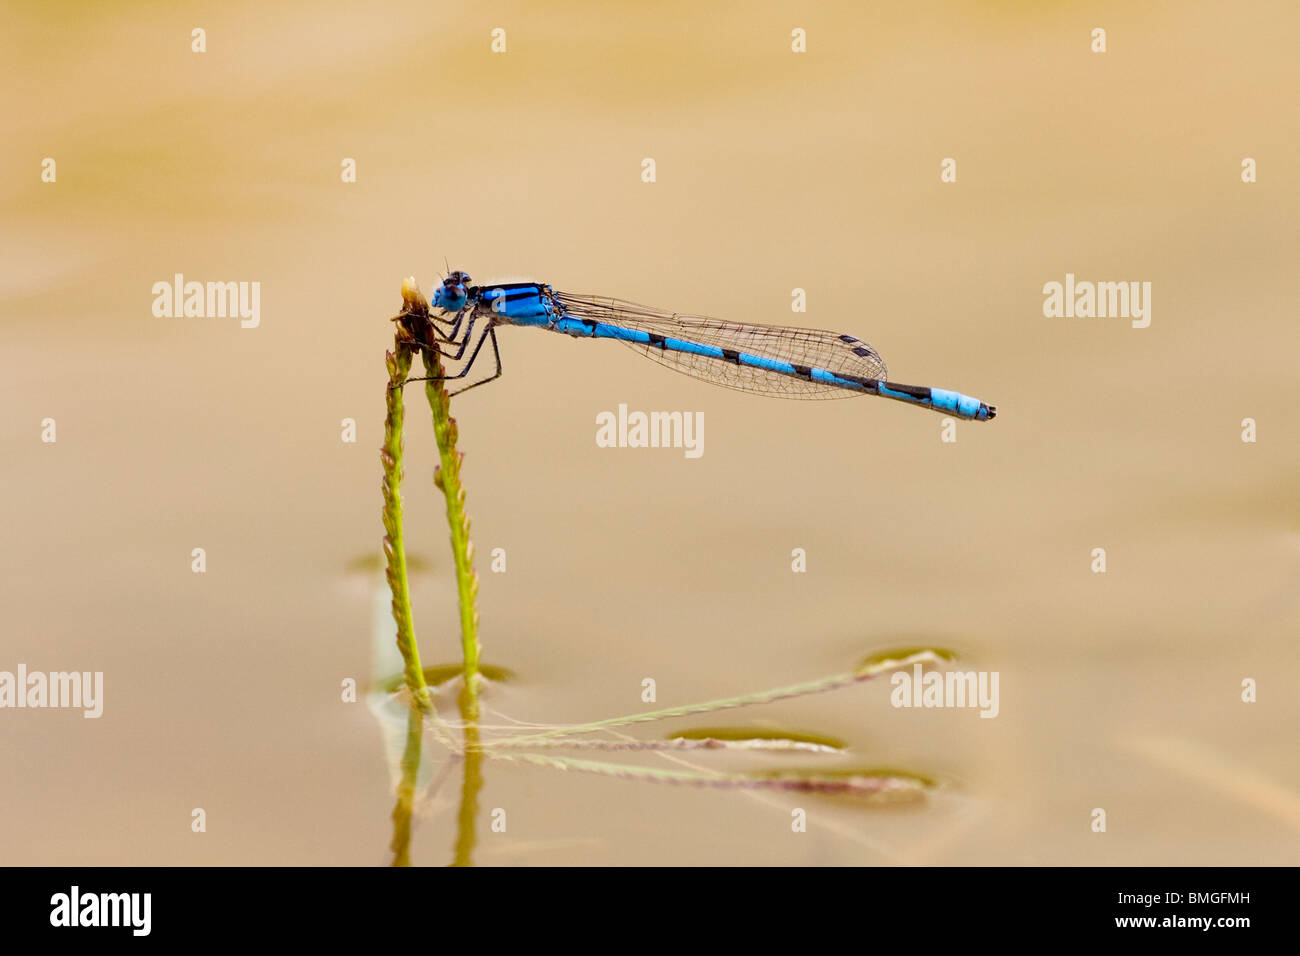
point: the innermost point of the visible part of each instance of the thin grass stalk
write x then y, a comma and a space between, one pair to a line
867, 672
447, 478
671, 744
399, 366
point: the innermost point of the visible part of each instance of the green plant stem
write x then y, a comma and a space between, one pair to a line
399, 366
447, 478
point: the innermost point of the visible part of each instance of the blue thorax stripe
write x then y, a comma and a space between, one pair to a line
523, 302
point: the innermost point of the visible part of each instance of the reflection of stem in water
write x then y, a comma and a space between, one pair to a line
471, 781
401, 845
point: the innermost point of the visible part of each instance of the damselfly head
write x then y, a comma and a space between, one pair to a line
453, 294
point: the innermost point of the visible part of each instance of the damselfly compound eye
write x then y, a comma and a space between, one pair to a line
452, 295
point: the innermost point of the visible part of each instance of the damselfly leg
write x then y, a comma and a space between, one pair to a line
491, 333
450, 336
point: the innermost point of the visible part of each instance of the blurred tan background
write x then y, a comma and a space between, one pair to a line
774, 171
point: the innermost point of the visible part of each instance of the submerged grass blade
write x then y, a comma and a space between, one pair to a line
674, 743
748, 735
885, 784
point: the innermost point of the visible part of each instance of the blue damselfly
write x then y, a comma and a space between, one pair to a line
786, 362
